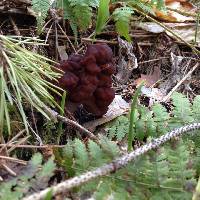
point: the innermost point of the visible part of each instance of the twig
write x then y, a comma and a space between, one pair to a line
23, 140
13, 139
16, 30
13, 160
32, 146
180, 82
67, 38
99, 41
153, 60
113, 166
55, 115
10, 171
48, 32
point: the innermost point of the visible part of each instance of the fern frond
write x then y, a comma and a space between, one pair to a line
96, 153
109, 147
78, 13
118, 128
161, 118
179, 172
196, 108
41, 9
182, 111
81, 155
122, 18
29, 180
146, 6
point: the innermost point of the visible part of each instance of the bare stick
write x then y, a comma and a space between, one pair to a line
10, 171
31, 146
180, 82
13, 160
55, 115
113, 166
13, 139
23, 140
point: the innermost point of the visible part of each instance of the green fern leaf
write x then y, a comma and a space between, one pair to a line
68, 15
47, 169
41, 9
196, 108
179, 172
96, 153
82, 14
182, 108
145, 6
36, 159
81, 154
68, 159
161, 118
109, 147
140, 129
118, 128
122, 18
104, 190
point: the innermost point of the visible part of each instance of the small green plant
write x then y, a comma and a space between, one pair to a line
62, 111
41, 9
79, 13
164, 172
35, 176
132, 117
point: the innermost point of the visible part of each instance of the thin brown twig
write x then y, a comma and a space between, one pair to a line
10, 171
13, 160
13, 139
153, 60
16, 30
48, 32
67, 37
32, 146
20, 142
99, 41
56, 116
180, 82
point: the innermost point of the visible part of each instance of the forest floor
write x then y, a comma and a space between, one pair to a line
163, 62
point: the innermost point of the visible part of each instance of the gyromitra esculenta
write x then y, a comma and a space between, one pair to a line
88, 80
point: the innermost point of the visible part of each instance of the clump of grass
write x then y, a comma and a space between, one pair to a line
25, 77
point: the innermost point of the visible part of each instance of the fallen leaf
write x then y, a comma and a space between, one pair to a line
153, 93
184, 30
149, 80
173, 16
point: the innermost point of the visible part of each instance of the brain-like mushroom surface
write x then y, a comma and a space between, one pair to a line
88, 79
